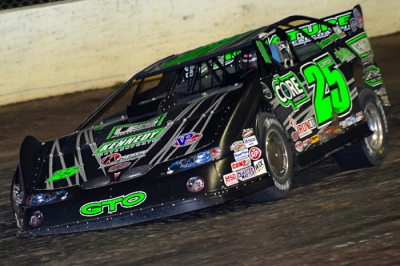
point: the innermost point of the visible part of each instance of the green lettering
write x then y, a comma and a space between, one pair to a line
91, 209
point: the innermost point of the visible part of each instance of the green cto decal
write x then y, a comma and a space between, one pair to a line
63, 173
289, 90
98, 207
133, 140
331, 93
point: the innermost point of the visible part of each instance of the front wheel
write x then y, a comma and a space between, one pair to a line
372, 150
279, 160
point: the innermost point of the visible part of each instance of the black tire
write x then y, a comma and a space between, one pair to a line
372, 150
277, 154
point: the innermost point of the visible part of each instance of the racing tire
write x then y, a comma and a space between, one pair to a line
278, 159
372, 150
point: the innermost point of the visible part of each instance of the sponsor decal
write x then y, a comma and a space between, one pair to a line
294, 135
110, 159
116, 175
237, 146
328, 132
240, 164
289, 90
118, 167
358, 17
373, 76
343, 124
359, 116
63, 173
360, 45
314, 139
231, 179
131, 141
259, 167
247, 132
131, 128
110, 205
304, 128
353, 24
241, 154
322, 137
299, 146
350, 120
255, 153
324, 43
315, 30
344, 55
250, 141
306, 144
187, 139
246, 173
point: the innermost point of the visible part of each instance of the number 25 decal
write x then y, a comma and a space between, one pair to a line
331, 93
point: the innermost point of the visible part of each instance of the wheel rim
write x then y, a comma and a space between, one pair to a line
277, 156
372, 115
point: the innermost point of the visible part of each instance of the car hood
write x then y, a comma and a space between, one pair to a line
132, 146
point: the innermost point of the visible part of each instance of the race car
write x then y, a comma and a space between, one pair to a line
232, 119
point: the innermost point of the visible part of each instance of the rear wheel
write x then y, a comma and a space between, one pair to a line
372, 150
279, 160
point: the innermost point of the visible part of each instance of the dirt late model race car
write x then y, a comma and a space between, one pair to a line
228, 120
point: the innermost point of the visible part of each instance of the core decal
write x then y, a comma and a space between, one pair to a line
289, 90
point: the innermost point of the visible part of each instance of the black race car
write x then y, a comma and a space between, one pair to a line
228, 120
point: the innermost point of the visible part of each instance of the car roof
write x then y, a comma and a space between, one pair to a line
221, 47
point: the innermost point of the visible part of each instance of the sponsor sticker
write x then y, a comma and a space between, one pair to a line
241, 154
304, 128
240, 164
130, 128
259, 167
294, 135
118, 167
246, 173
237, 146
314, 139
131, 141
353, 24
116, 175
322, 137
306, 144
359, 116
110, 159
250, 141
247, 132
328, 132
231, 179
350, 120
299, 146
358, 17
343, 124
187, 139
255, 153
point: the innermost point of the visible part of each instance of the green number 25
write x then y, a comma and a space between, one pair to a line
331, 93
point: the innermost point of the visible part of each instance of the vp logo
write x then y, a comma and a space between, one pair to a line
187, 139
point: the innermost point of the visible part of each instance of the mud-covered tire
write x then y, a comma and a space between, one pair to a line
278, 158
372, 150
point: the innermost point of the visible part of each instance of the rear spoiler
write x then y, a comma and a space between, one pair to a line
318, 28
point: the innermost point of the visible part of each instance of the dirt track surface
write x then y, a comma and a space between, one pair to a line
330, 217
